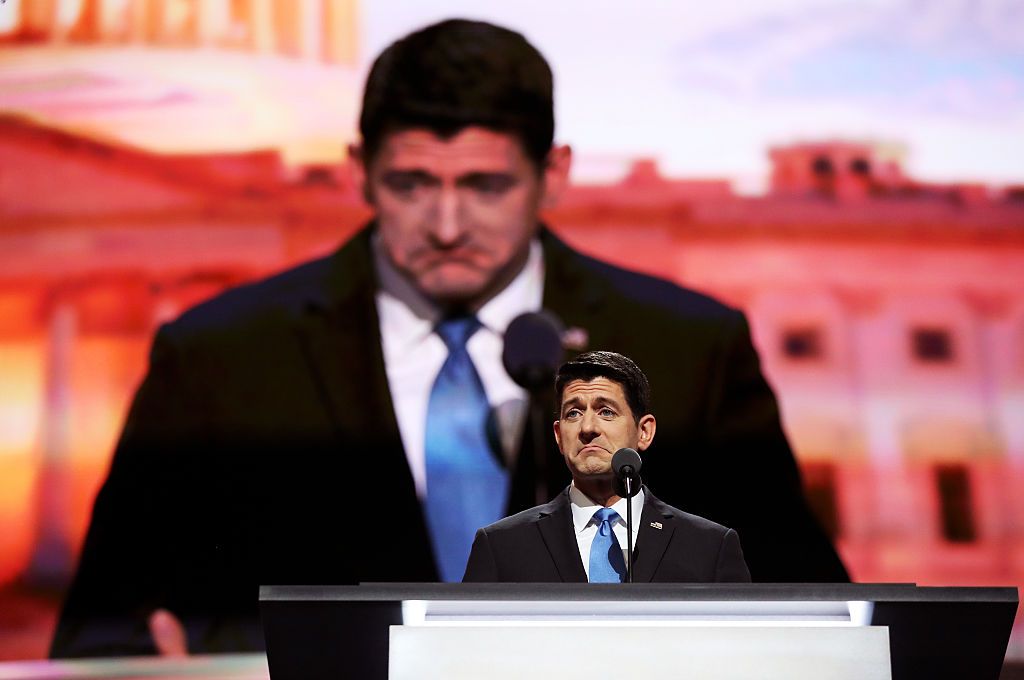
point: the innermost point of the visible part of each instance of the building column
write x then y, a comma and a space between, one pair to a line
52, 558
997, 478
900, 492
261, 26
341, 32
213, 22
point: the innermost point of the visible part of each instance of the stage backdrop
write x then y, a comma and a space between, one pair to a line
850, 174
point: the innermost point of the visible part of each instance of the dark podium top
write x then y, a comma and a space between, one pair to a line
936, 633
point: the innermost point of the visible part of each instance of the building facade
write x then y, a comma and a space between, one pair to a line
889, 315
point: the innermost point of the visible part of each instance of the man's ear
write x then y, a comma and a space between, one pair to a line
556, 173
558, 435
646, 427
358, 171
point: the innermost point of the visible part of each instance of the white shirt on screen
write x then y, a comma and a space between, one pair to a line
583, 510
414, 353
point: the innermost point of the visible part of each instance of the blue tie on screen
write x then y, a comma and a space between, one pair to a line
606, 562
467, 487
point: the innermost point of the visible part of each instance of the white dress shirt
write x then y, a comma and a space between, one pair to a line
583, 510
414, 353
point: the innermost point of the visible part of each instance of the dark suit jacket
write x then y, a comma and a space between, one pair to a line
247, 447
539, 546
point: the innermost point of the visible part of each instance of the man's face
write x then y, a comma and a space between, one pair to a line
456, 215
594, 422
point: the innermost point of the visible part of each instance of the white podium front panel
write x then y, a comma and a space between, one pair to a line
576, 651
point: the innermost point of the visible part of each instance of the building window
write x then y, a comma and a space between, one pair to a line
860, 166
955, 504
820, 490
932, 345
802, 344
822, 166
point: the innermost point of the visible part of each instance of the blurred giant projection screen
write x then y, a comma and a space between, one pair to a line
850, 174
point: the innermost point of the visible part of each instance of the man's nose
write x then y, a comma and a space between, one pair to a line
588, 427
446, 227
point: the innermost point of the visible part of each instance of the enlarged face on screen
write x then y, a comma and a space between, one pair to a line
456, 214
594, 422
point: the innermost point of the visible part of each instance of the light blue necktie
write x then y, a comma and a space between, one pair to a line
467, 487
606, 562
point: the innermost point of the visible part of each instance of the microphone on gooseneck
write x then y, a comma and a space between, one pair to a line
626, 465
532, 354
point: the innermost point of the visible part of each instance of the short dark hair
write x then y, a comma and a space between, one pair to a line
612, 366
459, 73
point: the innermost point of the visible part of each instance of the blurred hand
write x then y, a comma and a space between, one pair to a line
168, 634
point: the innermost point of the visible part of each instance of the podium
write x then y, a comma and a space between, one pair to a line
499, 631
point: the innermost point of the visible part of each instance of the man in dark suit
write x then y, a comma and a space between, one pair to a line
297, 430
581, 535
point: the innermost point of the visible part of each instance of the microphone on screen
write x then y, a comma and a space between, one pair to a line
532, 354
533, 350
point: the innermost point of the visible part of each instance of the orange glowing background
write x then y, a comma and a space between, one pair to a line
852, 176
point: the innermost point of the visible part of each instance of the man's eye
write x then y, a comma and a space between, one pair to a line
405, 183
606, 413
489, 185
572, 413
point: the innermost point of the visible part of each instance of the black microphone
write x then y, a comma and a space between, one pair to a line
531, 357
626, 465
533, 349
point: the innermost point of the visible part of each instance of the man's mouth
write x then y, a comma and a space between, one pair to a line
461, 261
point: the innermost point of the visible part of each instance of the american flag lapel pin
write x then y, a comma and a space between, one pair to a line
656, 525
575, 339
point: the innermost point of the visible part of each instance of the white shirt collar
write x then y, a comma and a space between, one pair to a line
525, 293
410, 316
583, 508
406, 315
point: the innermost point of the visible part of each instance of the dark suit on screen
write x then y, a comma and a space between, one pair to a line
235, 466
539, 546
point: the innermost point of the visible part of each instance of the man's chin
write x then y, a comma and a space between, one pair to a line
454, 292
596, 471
465, 282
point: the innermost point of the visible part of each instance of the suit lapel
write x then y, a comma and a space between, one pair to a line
556, 528
339, 333
651, 542
574, 292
